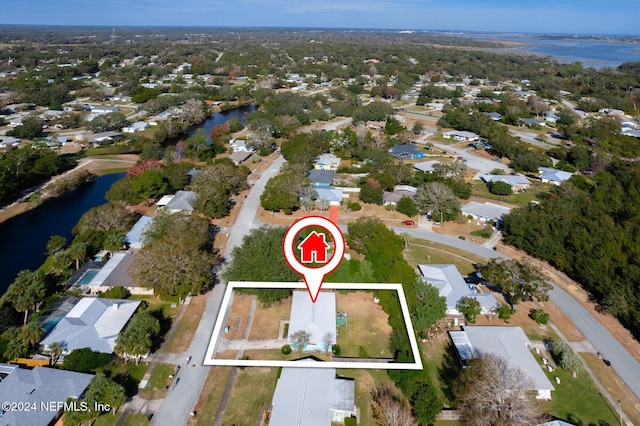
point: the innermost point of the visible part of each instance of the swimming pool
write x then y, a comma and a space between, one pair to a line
87, 276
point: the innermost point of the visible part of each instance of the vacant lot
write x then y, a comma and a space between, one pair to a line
239, 315
252, 392
367, 326
266, 321
211, 394
186, 327
421, 252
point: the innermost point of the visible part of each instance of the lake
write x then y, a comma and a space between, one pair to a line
23, 239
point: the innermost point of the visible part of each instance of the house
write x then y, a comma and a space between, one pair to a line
426, 166
485, 211
182, 201
530, 122
312, 397
399, 191
96, 138
495, 116
138, 126
391, 198
406, 151
9, 142
240, 157
509, 343
333, 195
114, 273
92, 323
133, 239
100, 109
517, 182
321, 178
318, 319
240, 145
461, 135
327, 162
556, 177
41, 387
452, 287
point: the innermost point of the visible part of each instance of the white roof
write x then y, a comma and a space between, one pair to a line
92, 323
489, 211
134, 236
183, 200
509, 343
554, 175
426, 166
33, 386
164, 200
329, 194
317, 318
306, 396
461, 133
510, 179
328, 159
452, 286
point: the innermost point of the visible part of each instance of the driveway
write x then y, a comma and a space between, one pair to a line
531, 138
179, 402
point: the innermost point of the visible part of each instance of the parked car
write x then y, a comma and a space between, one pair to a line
461, 238
498, 159
409, 223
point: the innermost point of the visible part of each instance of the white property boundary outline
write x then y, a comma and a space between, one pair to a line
225, 307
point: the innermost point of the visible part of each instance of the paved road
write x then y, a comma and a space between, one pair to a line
531, 138
336, 124
579, 112
621, 361
179, 402
482, 165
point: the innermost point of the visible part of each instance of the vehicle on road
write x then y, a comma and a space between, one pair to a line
607, 362
498, 159
461, 238
409, 223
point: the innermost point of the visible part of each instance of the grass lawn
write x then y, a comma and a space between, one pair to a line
157, 382
211, 394
186, 328
252, 392
275, 354
440, 365
614, 386
577, 399
266, 322
479, 188
128, 374
366, 381
421, 251
367, 326
447, 423
136, 419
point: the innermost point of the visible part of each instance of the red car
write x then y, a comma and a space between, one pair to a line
409, 223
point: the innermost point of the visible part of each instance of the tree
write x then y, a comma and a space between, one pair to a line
101, 390
107, 217
17, 347
107, 122
148, 185
55, 244
26, 292
180, 262
143, 166
299, 340
137, 338
418, 127
32, 333
76, 252
85, 360
407, 206
371, 192
429, 307
115, 292
193, 111
491, 392
425, 403
327, 339
567, 358
499, 188
438, 199
517, 280
283, 192
214, 186
389, 408
55, 349
31, 128
470, 308
539, 316
259, 258
113, 241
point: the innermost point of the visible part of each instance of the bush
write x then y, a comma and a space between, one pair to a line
499, 188
504, 312
354, 207
336, 349
482, 233
350, 421
85, 360
285, 350
539, 316
407, 206
117, 292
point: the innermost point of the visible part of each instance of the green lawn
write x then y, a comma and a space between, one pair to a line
158, 380
253, 390
365, 382
136, 419
479, 188
577, 399
421, 251
128, 374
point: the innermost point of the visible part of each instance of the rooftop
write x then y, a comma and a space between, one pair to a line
317, 318
488, 211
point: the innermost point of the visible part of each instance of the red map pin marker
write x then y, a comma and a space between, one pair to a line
313, 249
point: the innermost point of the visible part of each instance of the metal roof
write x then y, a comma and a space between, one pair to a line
183, 200
134, 236
92, 323
317, 318
33, 386
489, 211
509, 343
306, 397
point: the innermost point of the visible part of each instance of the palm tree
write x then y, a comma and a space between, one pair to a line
32, 333
323, 204
306, 204
113, 242
55, 349
16, 348
77, 251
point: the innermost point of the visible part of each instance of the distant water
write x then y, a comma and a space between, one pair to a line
597, 54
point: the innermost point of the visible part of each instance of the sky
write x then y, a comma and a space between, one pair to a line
523, 16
